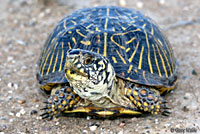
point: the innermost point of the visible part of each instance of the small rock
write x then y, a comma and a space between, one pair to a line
21, 42
122, 3
57, 123
10, 58
88, 118
187, 96
194, 72
10, 85
38, 117
139, 4
32, 22
34, 112
120, 132
93, 128
122, 124
162, 2
148, 131
18, 114
35, 100
10, 91
48, 11
3, 118
186, 109
41, 15
11, 114
85, 132
156, 121
15, 86
23, 3
21, 101
185, 77
2, 128
22, 111
2, 133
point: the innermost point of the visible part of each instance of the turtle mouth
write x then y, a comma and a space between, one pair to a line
72, 71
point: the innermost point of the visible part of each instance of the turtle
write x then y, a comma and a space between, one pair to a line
106, 61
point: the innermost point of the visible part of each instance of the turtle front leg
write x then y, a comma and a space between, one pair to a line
62, 99
147, 99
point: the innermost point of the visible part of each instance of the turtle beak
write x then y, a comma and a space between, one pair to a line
71, 69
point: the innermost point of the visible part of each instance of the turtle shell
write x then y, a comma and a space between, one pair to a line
133, 43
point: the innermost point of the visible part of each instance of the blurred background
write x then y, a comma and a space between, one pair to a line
24, 27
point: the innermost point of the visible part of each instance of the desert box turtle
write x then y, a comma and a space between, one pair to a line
106, 61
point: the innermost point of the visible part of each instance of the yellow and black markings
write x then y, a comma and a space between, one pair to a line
123, 60
149, 60
156, 60
105, 44
140, 61
133, 54
62, 57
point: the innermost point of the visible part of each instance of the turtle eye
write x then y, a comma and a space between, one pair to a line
88, 60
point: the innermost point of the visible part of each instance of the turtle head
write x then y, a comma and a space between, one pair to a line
90, 74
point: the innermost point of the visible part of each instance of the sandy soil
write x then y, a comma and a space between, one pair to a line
25, 26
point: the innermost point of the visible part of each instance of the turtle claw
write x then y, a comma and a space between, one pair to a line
166, 113
46, 115
147, 100
62, 100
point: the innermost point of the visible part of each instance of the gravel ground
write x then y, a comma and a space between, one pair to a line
25, 26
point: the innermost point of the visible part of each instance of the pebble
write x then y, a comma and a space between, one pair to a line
15, 86
18, 114
10, 91
85, 132
162, 2
120, 132
41, 15
21, 101
57, 123
187, 96
48, 11
2, 133
34, 112
38, 117
194, 72
167, 125
35, 100
32, 22
186, 109
139, 4
122, 124
156, 121
2, 127
3, 118
93, 127
10, 85
10, 58
21, 42
21, 112
88, 118
11, 114
122, 3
